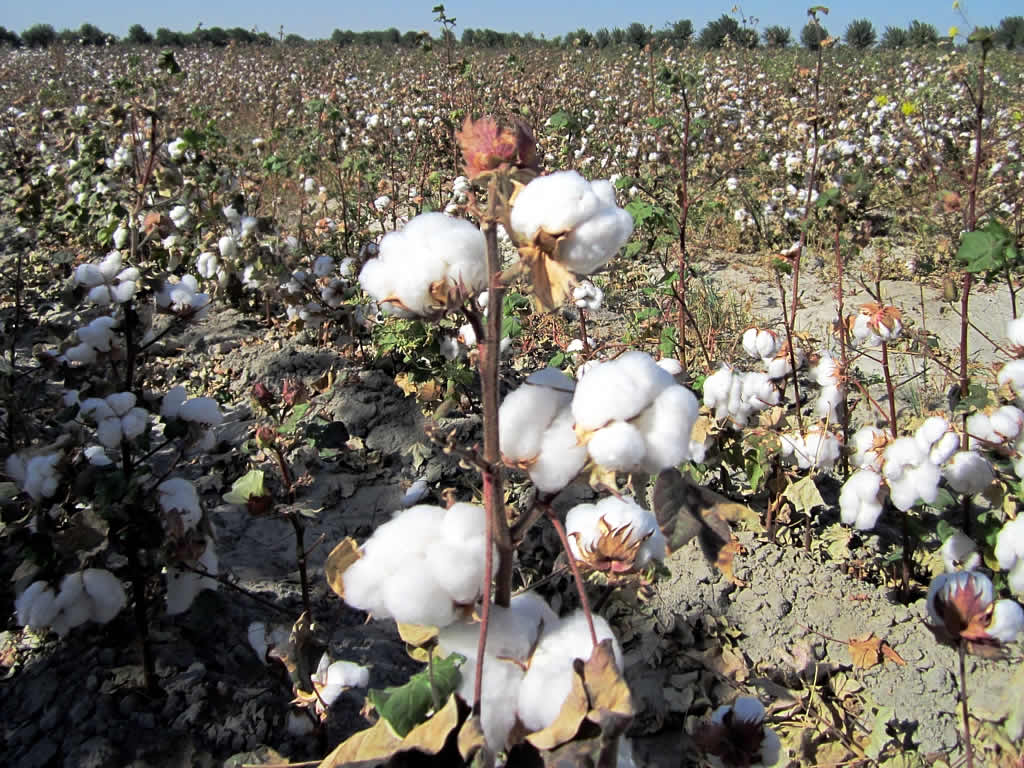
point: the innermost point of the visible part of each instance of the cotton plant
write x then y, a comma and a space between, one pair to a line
116, 416
182, 298
736, 735
97, 338
38, 476
330, 680
94, 594
734, 397
876, 324
184, 582
813, 448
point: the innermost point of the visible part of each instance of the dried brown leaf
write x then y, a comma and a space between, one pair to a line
342, 556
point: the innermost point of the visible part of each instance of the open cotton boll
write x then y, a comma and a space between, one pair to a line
931, 431
1007, 621
825, 372
184, 585
587, 525
413, 596
121, 402
431, 248
178, 494
1010, 552
363, 581
830, 403
915, 483
758, 391
547, 682
1007, 422
410, 532
105, 593
968, 472
555, 203
202, 410
561, 455
36, 606
666, 426
1012, 375
1015, 331
528, 411
959, 552
170, 406
39, 477
459, 567
816, 448
781, 365
671, 365
618, 390
899, 455
761, 343
860, 500
869, 444
74, 607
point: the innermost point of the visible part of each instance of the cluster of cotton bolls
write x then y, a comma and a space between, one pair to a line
831, 399
94, 594
109, 282
528, 666
585, 213
421, 566
117, 417
94, 338
816, 447
460, 195
191, 418
37, 476
772, 350
908, 468
427, 267
735, 397
614, 534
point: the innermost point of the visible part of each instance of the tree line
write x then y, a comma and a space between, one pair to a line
725, 30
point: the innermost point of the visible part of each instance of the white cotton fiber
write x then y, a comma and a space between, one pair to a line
619, 446
920, 482
462, 522
592, 244
561, 456
968, 472
717, 387
527, 412
202, 410
830, 403
666, 426
73, 605
1007, 422
37, 605
868, 447
407, 534
959, 552
363, 582
1012, 375
860, 499
105, 592
459, 568
555, 203
618, 390
1010, 543
549, 679
413, 596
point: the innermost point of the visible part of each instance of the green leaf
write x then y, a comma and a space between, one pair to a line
406, 706
989, 249
804, 495
879, 733
978, 398
557, 360
292, 422
248, 485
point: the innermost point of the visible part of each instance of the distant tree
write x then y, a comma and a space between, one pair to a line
1011, 32
921, 34
637, 34
469, 36
67, 36
9, 37
39, 36
725, 27
776, 36
293, 40
242, 35
812, 35
680, 34
392, 36
166, 37
343, 38
860, 34
582, 38
90, 34
618, 36
894, 37
137, 34
602, 38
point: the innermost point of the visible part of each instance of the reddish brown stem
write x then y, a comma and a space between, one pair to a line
574, 567
844, 360
890, 391
968, 747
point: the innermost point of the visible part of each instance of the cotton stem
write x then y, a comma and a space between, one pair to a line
968, 747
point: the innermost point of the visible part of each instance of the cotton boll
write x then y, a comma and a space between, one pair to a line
1015, 578
36, 606
717, 387
363, 581
413, 596
202, 410
959, 552
459, 568
968, 472
73, 605
899, 455
830, 403
1010, 544
1007, 621
548, 681
40, 476
561, 456
931, 431
1007, 422
666, 426
869, 444
498, 700
825, 373
527, 412
183, 586
1015, 331
105, 592
170, 406
1012, 375
671, 365
134, 423
347, 674
758, 392
121, 402
555, 203
919, 482
618, 390
408, 533
860, 499
108, 432
620, 446
979, 427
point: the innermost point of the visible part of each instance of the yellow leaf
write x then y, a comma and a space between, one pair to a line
341, 557
568, 721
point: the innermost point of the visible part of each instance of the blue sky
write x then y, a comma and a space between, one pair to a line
317, 18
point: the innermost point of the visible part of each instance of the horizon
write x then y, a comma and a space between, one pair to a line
115, 16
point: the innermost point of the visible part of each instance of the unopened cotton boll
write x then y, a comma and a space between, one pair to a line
618, 390
968, 472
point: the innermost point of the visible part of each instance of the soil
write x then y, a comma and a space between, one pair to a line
780, 627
